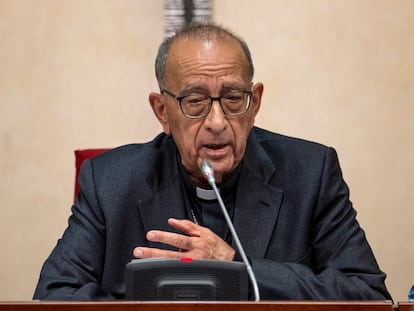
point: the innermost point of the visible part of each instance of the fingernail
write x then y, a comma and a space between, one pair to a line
138, 252
150, 235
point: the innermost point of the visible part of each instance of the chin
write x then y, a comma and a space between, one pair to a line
222, 168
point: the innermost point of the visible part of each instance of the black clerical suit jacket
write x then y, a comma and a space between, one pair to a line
292, 213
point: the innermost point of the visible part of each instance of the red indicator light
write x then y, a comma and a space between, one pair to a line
186, 259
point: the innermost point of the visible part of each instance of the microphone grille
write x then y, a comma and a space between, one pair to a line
207, 170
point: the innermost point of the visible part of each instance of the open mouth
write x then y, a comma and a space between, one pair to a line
215, 151
215, 146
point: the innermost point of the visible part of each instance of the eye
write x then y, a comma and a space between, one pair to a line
194, 99
233, 97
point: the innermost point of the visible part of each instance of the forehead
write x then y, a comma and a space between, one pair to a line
191, 56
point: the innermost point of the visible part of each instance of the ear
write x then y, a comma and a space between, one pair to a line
256, 100
159, 109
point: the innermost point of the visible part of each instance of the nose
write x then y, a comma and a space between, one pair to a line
216, 119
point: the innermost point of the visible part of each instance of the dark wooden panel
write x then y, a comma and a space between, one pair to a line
406, 306
199, 306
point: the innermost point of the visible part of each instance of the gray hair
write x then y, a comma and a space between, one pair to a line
202, 31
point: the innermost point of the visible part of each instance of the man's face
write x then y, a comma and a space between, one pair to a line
212, 68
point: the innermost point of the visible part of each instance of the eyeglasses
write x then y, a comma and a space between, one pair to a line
197, 106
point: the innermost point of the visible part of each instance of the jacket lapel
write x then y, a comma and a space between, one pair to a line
256, 211
257, 201
155, 211
162, 198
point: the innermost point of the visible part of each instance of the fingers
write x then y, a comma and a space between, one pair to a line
197, 242
186, 226
148, 252
174, 239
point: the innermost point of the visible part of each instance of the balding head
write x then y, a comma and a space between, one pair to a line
205, 32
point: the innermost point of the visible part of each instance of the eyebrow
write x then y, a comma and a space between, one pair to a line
226, 87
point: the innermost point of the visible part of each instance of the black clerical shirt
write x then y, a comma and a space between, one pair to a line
202, 205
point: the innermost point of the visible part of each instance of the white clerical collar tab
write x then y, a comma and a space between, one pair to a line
205, 194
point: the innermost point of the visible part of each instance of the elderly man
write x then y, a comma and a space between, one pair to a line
286, 196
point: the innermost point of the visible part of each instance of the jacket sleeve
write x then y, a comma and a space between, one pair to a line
339, 265
73, 271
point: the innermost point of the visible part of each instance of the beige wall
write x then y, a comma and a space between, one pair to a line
76, 74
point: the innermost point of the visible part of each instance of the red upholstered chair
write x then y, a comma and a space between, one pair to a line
80, 156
